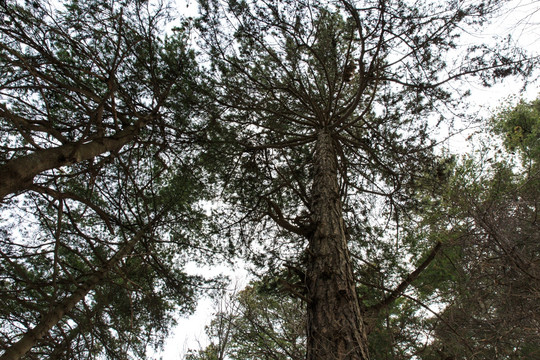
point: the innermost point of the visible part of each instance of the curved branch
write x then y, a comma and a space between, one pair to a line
275, 214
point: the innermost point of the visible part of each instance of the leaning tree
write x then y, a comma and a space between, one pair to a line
328, 110
99, 177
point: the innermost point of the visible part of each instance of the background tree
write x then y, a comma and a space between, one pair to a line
494, 287
331, 108
257, 322
96, 134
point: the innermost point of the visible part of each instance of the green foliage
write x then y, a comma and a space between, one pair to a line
520, 126
209, 353
276, 74
492, 288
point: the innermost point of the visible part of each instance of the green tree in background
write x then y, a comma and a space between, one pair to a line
256, 323
331, 108
520, 125
494, 293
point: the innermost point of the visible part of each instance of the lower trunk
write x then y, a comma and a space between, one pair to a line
335, 326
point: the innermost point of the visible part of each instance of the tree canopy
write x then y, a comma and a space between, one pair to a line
477, 299
332, 107
306, 130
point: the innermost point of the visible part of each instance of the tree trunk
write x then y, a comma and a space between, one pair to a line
17, 174
32, 336
335, 326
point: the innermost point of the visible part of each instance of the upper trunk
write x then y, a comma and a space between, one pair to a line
335, 326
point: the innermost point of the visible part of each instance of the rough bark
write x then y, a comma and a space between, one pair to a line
18, 173
335, 325
32, 336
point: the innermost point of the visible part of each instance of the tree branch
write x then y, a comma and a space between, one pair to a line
69, 195
32, 336
398, 291
275, 214
17, 174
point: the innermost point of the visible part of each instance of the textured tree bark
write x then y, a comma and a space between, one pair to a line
32, 336
335, 326
17, 174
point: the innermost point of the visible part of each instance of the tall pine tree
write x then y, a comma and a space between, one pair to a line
330, 107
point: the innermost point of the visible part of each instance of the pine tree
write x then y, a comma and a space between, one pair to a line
330, 108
